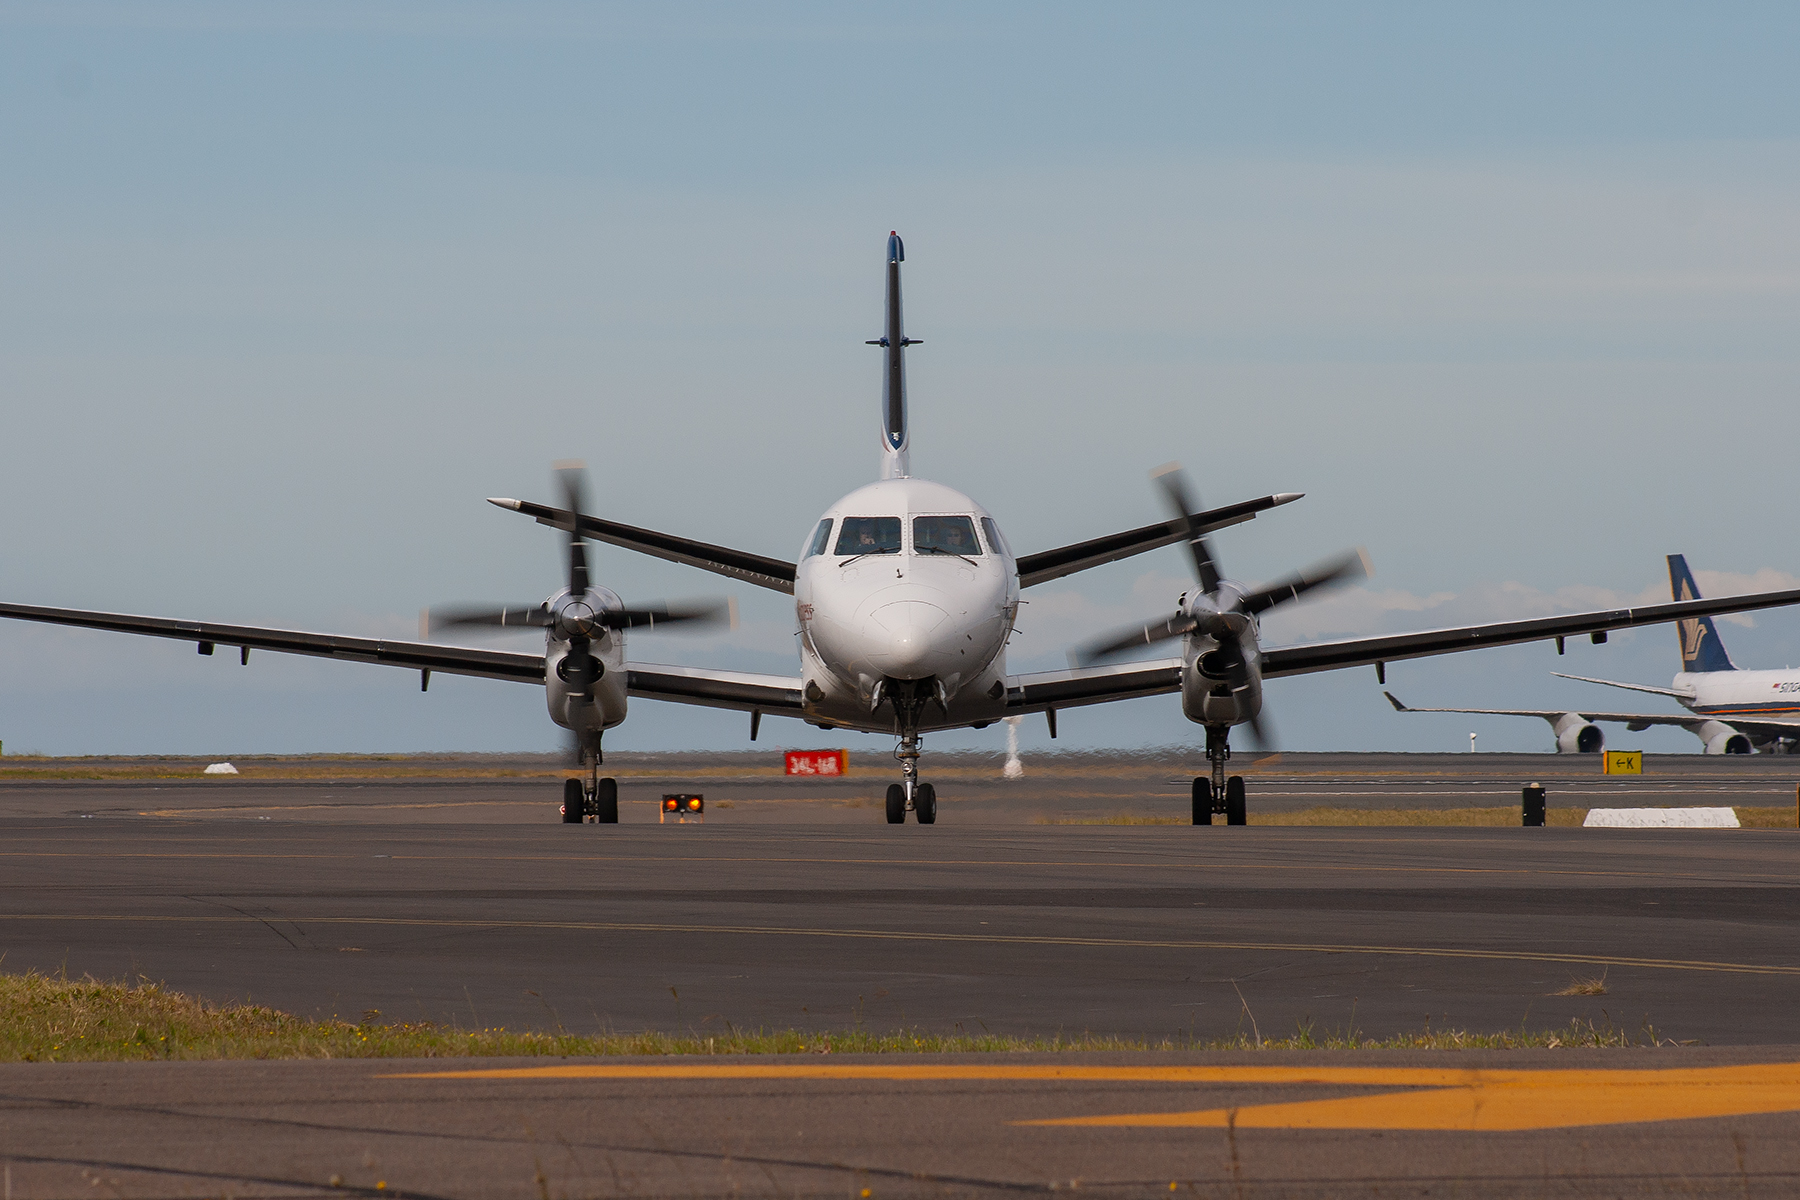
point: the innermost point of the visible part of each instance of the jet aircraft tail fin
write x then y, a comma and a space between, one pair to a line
1701, 649
895, 447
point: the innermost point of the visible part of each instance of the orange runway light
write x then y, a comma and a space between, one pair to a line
682, 808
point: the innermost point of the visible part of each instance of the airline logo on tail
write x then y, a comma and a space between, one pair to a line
1701, 649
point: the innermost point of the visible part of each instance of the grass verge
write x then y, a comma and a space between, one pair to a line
46, 1019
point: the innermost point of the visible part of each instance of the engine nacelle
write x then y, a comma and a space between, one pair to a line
1721, 738
1575, 734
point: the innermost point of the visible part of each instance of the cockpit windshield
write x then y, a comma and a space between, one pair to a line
945, 535
869, 535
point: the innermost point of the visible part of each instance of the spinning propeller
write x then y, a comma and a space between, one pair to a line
577, 615
1220, 610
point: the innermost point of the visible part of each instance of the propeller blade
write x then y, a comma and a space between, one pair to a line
654, 616
1262, 732
573, 476
1174, 486
1126, 639
1353, 565
519, 616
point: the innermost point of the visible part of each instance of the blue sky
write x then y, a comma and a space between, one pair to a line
1509, 292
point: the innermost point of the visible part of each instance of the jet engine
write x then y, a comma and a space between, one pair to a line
1575, 734
1721, 738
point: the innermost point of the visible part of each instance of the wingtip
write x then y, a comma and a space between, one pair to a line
1398, 707
1287, 497
504, 502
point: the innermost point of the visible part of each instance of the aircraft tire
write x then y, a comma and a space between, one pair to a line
1202, 800
1235, 813
925, 804
606, 801
896, 804
574, 803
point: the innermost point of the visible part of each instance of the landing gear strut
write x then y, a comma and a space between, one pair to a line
909, 792
594, 796
1219, 794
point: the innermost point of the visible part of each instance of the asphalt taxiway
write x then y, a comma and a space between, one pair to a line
1666, 1122
743, 789
448, 892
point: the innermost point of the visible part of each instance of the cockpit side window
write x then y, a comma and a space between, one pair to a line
996, 543
821, 538
945, 535
869, 535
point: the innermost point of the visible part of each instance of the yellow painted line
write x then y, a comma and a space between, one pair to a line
1506, 1101
900, 935
1449, 1098
1755, 1074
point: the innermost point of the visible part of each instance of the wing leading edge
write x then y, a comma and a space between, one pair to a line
422, 656
1356, 652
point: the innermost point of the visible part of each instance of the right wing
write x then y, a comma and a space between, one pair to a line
422, 656
771, 573
1066, 560
777, 695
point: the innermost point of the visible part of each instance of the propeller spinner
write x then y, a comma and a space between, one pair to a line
1219, 609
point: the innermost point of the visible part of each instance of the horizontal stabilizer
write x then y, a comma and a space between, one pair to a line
771, 573
1066, 560
1630, 687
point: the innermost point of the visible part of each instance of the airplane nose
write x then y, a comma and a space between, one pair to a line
903, 632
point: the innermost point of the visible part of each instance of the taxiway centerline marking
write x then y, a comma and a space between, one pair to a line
1508, 1101
901, 935
1460, 1099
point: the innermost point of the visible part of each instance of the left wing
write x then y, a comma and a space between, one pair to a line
1356, 652
420, 656
1092, 685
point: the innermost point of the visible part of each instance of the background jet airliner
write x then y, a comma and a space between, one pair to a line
905, 593
1732, 711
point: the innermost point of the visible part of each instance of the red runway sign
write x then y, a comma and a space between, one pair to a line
818, 762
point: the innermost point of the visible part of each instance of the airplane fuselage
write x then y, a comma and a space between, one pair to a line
1745, 695
905, 595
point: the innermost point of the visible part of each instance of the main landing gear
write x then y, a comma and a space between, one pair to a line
910, 793
1219, 794
593, 796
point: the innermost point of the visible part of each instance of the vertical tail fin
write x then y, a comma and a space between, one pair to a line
1701, 649
895, 445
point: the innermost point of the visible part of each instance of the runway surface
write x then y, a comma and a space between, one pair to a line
1519, 1124
459, 899
749, 788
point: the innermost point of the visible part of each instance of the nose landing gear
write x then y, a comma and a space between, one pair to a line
921, 798
1219, 794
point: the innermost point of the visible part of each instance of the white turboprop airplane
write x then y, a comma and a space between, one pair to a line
905, 594
1730, 711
